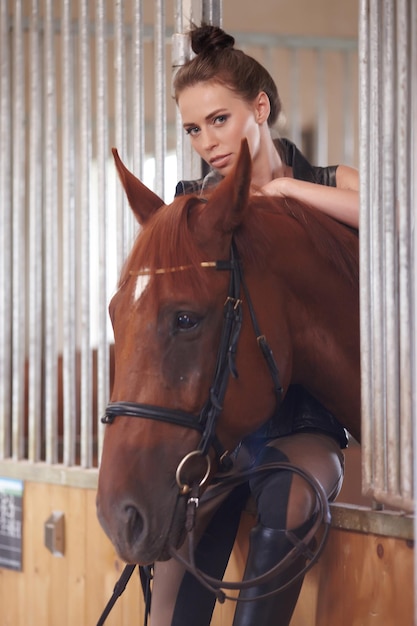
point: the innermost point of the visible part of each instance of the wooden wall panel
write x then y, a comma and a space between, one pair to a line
361, 580
376, 575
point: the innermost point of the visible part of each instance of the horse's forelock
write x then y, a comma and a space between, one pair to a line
164, 243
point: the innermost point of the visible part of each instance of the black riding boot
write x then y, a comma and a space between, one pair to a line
267, 546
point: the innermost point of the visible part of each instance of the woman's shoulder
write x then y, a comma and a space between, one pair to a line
199, 185
301, 166
185, 187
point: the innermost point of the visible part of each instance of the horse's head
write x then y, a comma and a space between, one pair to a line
167, 317
179, 304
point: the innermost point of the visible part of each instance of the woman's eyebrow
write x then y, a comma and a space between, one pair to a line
208, 117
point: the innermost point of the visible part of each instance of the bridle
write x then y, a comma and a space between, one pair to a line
206, 423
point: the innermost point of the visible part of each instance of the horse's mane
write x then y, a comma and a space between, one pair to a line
165, 242
334, 241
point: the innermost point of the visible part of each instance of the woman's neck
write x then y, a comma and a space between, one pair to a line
267, 163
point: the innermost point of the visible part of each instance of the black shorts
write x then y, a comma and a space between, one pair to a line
300, 412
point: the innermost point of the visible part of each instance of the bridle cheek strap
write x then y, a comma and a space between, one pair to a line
206, 422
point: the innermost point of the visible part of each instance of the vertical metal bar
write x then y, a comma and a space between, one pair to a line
18, 237
365, 243
378, 382
348, 108
5, 232
404, 180
84, 204
412, 52
160, 120
322, 117
386, 252
120, 125
295, 97
51, 238
35, 318
69, 236
138, 106
392, 460
103, 369
212, 12
188, 162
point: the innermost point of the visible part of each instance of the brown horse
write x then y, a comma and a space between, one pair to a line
300, 274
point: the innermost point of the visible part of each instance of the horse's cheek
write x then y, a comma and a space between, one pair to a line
183, 369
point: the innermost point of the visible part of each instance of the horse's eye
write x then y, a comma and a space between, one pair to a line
186, 321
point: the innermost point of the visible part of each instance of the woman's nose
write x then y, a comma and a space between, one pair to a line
209, 140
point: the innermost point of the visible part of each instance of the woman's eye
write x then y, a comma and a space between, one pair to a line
192, 131
220, 119
186, 321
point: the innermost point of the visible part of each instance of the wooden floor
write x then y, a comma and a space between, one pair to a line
361, 580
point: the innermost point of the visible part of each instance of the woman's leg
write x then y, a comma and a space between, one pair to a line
285, 501
178, 599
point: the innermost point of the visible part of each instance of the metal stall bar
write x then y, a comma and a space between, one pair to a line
120, 128
322, 117
374, 412
138, 94
405, 131
5, 232
85, 153
388, 478
294, 105
412, 56
348, 108
35, 283
212, 12
50, 239
18, 269
186, 13
365, 252
188, 162
160, 98
386, 253
102, 156
69, 237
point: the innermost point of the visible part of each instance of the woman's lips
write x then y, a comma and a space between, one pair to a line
220, 161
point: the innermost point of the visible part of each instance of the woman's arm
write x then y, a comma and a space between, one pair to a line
340, 202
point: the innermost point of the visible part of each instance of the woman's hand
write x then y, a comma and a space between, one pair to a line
341, 202
278, 187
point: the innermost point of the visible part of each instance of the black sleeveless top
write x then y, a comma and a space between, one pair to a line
290, 154
299, 411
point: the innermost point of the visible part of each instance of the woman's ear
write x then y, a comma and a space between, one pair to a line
262, 107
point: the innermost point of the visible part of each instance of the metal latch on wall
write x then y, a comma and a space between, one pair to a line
54, 533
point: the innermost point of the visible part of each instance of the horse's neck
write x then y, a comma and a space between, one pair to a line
326, 352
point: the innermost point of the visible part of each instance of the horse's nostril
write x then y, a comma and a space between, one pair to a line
134, 525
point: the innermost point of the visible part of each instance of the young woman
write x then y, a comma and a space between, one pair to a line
224, 95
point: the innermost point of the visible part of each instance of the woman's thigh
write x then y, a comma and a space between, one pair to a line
285, 499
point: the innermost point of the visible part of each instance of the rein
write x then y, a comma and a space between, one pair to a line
206, 423
301, 546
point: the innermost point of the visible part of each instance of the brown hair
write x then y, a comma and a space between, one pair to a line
219, 61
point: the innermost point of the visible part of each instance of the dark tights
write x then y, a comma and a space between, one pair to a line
284, 501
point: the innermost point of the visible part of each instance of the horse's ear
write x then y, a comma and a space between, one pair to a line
228, 202
142, 200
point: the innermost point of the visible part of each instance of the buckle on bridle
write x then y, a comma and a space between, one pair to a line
185, 487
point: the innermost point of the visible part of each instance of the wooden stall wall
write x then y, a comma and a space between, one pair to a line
71, 590
361, 580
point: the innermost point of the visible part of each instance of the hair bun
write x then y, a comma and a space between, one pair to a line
206, 39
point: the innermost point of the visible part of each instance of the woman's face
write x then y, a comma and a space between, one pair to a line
216, 120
